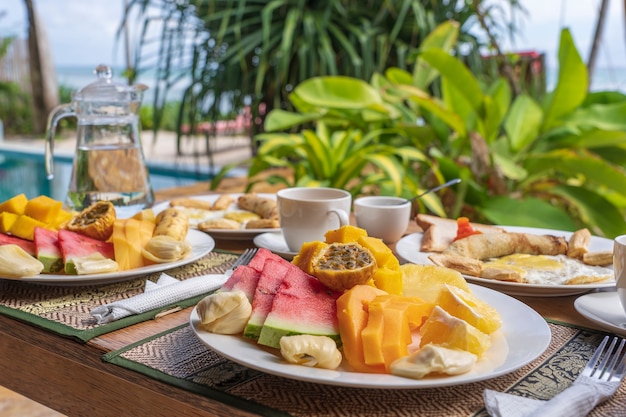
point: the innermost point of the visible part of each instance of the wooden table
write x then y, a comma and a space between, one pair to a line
71, 378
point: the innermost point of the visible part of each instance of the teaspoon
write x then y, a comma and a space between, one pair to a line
437, 188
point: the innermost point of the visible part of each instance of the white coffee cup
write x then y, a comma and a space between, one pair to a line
307, 213
386, 218
619, 264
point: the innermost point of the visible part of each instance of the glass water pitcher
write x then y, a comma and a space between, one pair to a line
109, 162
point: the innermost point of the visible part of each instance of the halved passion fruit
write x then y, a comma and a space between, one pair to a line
341, 266
95, 221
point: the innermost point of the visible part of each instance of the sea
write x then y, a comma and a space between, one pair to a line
76, 77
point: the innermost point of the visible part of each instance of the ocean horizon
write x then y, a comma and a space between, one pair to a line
76, 77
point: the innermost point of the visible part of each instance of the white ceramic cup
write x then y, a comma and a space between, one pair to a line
386, 218
307, 213
619, 264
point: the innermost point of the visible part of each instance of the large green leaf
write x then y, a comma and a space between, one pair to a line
578, 164
431, 104
572, 84
529, 212
602, 116
456, 102
279, 119
523, 122
337, 92
598, 214
443, 37
595, 138
457, 74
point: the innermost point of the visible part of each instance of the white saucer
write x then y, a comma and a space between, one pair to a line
604, 309
276, 243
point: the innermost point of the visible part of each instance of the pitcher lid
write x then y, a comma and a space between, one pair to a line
104, 88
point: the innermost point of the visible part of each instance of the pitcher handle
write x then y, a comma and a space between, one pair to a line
59, 112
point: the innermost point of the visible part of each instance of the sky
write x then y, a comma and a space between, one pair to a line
83, 32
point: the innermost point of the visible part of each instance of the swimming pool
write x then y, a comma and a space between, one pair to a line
24, 172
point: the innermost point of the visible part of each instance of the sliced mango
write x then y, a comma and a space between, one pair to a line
388, 280
308, 252
344, 234
43, 208
24, 227
6, 221
15, 204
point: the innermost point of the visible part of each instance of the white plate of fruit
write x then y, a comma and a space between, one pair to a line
43, 243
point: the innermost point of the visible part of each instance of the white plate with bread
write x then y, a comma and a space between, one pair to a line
546, 262
229, 216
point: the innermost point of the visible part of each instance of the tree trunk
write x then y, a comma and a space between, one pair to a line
597, 37
45, 92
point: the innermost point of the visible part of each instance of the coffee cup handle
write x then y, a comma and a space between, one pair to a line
342, 215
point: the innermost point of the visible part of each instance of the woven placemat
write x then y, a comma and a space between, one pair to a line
65, 310
177, 357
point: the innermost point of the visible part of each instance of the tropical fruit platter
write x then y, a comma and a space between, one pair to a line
38, 236
347, 302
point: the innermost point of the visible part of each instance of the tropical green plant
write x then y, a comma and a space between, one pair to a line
254, 52
352, 137
558, 163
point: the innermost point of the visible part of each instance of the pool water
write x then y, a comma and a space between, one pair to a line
26, 173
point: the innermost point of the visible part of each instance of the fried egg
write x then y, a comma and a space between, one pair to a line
551, 270
197, 216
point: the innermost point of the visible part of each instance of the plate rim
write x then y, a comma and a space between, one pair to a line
534, 322
223, 233
591, 316
518, 288
205, 245
285, 254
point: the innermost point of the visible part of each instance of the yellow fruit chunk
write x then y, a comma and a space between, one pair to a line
62, 218
6, 221
373, 333
426, 281
134, 244
466, 306
391, 319
15, 205
129, 237
145, 215
388, 280
383, 253
352, 317
120, 245
24, 227
344, 234
308, 252
341, 266
442, 328
43, 208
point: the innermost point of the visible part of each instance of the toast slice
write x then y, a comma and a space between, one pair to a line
439, 232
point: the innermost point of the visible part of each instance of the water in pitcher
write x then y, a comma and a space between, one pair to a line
109, 165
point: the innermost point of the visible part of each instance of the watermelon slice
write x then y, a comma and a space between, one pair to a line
47, 250
243, 279
258, 262
272, 275
302, 305
74, 245
27, 245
